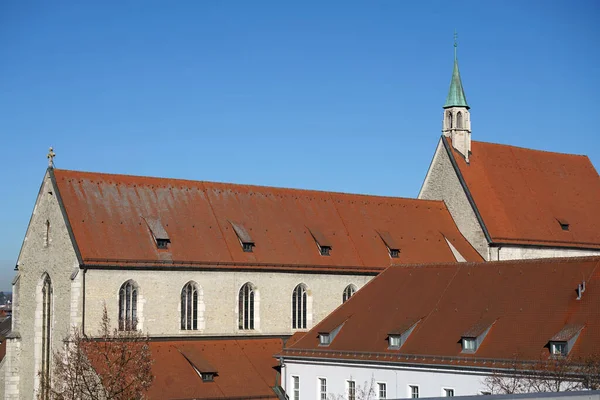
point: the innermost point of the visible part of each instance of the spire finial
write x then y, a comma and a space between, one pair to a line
50, 157
455, 43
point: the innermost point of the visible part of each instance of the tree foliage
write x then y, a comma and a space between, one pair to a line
115, 366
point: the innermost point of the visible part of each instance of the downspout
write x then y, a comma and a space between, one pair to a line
83, 305
499, 248
283, 375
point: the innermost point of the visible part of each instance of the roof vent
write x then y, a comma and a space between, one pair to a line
321, 240
244, 237
392, 246
564, 224
160, 235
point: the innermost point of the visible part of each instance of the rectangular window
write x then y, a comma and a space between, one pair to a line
382, 390
325, 250
414, 391
558, 348
324, 339
351, 390
394, 341
469, 344
448, 392
296, 386
322, 388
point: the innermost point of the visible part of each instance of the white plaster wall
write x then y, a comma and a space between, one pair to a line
441, 183
159, 300
431, 382
58, 259
519, 253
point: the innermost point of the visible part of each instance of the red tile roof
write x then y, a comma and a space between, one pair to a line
523, 194
526, 303
245, 368
108, 217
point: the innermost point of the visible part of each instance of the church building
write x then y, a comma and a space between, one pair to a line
220, 275
511, 202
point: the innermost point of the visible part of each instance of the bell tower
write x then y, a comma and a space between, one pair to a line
456, 124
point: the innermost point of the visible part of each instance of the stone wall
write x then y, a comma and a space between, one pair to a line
441, 183
159, 299
44, 251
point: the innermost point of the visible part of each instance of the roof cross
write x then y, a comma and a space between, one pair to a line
455, 43
50, 157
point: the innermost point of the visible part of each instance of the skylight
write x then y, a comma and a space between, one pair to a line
159, 233
321, 240
564, 224
390, 243
397, 338
325, 338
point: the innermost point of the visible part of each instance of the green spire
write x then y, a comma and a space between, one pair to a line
456, 94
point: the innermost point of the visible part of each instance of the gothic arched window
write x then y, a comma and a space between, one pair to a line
299, 307
246, 307
189, 306
128, 295
46, 335
459, 120
348, 292
449, 120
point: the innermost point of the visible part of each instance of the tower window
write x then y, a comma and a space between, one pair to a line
459, 120
449, 120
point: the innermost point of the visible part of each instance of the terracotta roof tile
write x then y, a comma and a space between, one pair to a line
530, 301
523, 195
244, 368
107, 215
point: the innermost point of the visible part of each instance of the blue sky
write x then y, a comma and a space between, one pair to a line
340, 95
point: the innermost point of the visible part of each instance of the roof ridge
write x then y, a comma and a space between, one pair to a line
530, 149
554, 260
249, 186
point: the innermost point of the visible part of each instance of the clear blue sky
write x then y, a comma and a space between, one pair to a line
341, 95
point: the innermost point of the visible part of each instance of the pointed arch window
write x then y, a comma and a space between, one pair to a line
348, 292
189, 306
47, 235
459, 120
128, 296
299, 307
46, 335
449, 120
246, 307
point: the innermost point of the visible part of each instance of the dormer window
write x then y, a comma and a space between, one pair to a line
162, 243
562, 343
391, 245
398, 337
564, 224
207, 376
472, 339
558, 348
395, 341
325, 338
469, 345
159, 233
244, 237
321, 240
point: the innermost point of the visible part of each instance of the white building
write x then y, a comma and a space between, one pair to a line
440, 329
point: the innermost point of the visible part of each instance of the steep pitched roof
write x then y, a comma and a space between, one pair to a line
524, 195
456, 94
108, 217
523, 303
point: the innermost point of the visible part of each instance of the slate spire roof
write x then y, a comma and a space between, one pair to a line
456, 94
